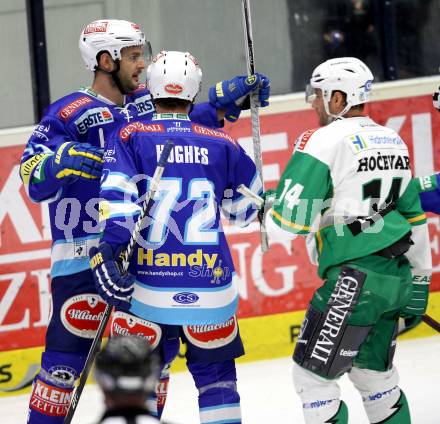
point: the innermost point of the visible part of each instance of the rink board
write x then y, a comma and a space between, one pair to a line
274, 288
265, 337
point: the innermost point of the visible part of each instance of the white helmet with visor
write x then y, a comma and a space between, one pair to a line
110, 35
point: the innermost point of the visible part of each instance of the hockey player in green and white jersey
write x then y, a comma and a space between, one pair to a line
348, 189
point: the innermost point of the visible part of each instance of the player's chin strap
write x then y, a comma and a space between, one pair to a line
115, 76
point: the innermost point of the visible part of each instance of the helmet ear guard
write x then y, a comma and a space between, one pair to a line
346, 74
173, 74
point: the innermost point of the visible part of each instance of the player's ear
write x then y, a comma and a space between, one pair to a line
339, 99
105, 61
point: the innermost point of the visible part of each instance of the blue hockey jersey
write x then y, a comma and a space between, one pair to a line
82, 116
183, 267
429, 192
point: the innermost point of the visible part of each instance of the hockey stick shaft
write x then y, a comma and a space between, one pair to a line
256, 136
148, 203
96, 344
94, 349
431, 322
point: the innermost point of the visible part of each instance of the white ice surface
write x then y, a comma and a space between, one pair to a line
267, 392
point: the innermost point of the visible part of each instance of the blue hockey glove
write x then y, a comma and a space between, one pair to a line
429, 192
233, 95
72, 161
113, 286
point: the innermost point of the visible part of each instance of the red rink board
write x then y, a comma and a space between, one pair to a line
287, 280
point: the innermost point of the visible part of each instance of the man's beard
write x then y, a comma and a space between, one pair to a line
129, 85
325, 120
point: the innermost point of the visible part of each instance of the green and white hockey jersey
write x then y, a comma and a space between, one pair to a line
348, 185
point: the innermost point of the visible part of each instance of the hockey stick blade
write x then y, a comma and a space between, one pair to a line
96, 344
431, 322
259, 202
245, 191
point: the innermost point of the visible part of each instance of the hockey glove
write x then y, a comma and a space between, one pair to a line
268, 197
233, 95
112, 285
406, 324
429, 192
436, 100
72, 161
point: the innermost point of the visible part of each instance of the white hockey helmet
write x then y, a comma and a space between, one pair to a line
110, 35
174, 74
347, 74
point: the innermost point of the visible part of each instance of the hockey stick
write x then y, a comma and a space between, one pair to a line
431, 322
256, 136
259, 202
96, 345
246, 192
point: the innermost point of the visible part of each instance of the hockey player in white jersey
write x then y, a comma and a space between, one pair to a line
348, 188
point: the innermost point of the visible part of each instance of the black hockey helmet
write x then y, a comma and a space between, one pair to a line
127, 366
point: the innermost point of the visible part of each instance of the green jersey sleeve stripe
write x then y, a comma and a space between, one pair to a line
417, 220
304, 229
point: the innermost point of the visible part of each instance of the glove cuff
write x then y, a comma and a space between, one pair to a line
232, 113
47, 175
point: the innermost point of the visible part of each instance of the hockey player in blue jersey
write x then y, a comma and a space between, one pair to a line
181, 283
429, 192
429, 185
62, 164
